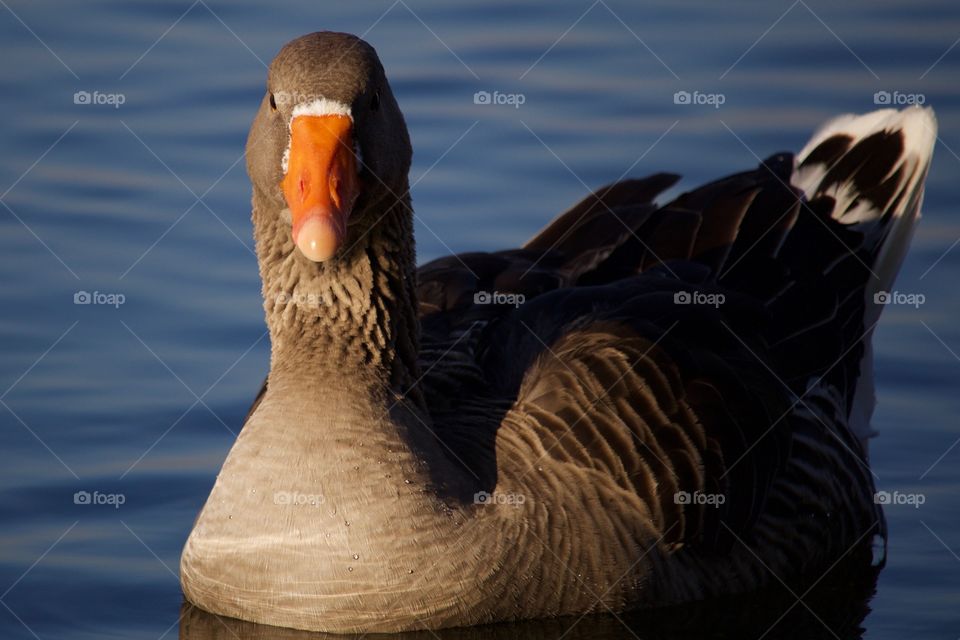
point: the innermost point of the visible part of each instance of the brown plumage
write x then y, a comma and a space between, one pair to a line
668, 408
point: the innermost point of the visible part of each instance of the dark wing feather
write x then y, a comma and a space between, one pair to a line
598, 212
570, 246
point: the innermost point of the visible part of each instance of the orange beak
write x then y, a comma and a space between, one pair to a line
321, 184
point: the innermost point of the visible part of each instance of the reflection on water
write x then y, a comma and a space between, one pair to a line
150, 200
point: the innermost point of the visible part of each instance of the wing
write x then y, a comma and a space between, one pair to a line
613, 370
711, 345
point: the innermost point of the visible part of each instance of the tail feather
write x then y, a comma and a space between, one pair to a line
873, 166
868, 172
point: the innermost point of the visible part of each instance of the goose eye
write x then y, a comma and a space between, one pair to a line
375, 102
273, 103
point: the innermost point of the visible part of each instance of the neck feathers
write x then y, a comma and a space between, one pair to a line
353, 316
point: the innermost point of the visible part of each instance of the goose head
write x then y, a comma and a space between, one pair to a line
328, 145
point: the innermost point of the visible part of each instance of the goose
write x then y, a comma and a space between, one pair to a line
644, 405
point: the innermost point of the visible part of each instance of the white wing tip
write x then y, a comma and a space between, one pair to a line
919, 126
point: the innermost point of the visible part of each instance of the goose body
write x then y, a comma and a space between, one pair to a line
677, 410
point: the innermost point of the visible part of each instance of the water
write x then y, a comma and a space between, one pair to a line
149, 200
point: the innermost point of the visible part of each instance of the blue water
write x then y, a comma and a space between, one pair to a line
149, 200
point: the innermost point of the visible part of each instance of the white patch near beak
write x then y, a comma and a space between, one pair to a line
321, 107
318, 107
